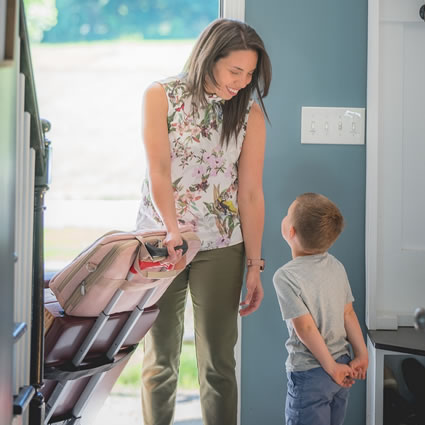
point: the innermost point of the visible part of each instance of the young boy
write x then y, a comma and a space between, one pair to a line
316, 302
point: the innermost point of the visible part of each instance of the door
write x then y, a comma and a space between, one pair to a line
395, 226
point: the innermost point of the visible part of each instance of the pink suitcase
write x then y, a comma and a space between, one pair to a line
119, 262
68, 389
67, 333
121, 274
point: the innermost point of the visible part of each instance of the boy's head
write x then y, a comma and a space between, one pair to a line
313, 223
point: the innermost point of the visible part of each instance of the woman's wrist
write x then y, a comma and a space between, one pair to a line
171, 226
173, 231
257, 263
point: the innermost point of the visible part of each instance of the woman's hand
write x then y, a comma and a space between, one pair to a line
172, 240
254, 292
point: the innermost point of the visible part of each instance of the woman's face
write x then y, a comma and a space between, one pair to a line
233, 73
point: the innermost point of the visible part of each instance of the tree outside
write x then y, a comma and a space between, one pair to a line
60, 21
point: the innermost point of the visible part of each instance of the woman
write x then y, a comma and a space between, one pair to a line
204, 138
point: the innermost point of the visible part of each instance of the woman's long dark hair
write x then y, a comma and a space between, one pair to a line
217, 41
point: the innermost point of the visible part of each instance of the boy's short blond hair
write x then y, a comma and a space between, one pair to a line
317, 221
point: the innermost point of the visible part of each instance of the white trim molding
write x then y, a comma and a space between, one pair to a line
372, 163
233, 9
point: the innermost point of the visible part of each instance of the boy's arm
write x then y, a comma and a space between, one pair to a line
309, 335
355, 337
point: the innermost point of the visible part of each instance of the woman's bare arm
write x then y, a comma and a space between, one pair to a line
251, 203
157, 148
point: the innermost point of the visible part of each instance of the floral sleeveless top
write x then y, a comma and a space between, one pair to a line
204, 173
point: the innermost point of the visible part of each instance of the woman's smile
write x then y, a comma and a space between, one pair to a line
233, 92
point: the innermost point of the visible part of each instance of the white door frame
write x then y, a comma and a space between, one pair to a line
235, 9
388, 21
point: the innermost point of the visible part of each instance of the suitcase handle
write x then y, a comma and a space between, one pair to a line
154, 251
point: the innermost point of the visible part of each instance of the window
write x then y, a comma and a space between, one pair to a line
92, 61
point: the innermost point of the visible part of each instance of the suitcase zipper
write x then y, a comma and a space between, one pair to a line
84, 255
91, 280
77, 268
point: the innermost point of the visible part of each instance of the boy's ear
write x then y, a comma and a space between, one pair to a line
292, 232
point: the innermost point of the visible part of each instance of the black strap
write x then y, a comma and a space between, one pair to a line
154, 251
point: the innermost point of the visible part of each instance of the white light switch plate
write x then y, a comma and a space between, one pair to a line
344, 126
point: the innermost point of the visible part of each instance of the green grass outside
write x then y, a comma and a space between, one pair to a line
188, 375
64, 244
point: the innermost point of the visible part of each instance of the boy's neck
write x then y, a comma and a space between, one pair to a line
299, 252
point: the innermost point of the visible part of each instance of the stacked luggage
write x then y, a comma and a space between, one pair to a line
97, 310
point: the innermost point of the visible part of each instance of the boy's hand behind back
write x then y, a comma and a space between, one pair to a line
359, 366
342, 374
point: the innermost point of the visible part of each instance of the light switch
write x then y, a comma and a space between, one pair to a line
332, 125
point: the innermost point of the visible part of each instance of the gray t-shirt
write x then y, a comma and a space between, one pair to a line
315, 284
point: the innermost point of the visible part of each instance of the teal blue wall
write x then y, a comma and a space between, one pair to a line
318, 52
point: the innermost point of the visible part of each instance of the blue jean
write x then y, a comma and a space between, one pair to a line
314, 398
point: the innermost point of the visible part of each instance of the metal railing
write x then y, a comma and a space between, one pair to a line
29, 395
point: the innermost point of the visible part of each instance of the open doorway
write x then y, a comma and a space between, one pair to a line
92, 60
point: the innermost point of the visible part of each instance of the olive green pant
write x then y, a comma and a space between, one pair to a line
214, 279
